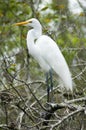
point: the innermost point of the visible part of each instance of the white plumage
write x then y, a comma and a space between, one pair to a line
47, 52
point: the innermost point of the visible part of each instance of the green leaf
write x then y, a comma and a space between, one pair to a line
44, 8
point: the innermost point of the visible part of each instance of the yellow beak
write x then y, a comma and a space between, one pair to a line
22, 23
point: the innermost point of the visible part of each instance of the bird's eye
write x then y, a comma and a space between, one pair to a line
30, 21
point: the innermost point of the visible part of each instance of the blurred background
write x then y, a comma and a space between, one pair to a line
62, 20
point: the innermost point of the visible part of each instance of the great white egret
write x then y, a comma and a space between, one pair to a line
47, 53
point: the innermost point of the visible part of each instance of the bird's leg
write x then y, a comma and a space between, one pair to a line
48, 87
51, 83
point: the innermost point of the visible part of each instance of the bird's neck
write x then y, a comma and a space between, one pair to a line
36, 32
32, 36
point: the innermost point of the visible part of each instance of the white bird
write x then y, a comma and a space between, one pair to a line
46, 52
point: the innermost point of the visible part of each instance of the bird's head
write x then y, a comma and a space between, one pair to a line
31, 22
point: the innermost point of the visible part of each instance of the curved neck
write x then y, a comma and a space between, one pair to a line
33, 35
36, 32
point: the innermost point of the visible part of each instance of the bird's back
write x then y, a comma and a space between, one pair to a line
52, 55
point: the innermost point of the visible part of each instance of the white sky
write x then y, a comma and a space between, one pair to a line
74, 6
83, 2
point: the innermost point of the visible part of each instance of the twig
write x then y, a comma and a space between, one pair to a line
43, 96
80, 73
29, 90
66, 117
76, 100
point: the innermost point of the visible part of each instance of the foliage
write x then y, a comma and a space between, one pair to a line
19, 72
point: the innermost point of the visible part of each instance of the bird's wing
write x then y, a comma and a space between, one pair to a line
51, 53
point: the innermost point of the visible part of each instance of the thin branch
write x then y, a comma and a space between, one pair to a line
80, 73
43, 96
29, 90
76, 100
66, 117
